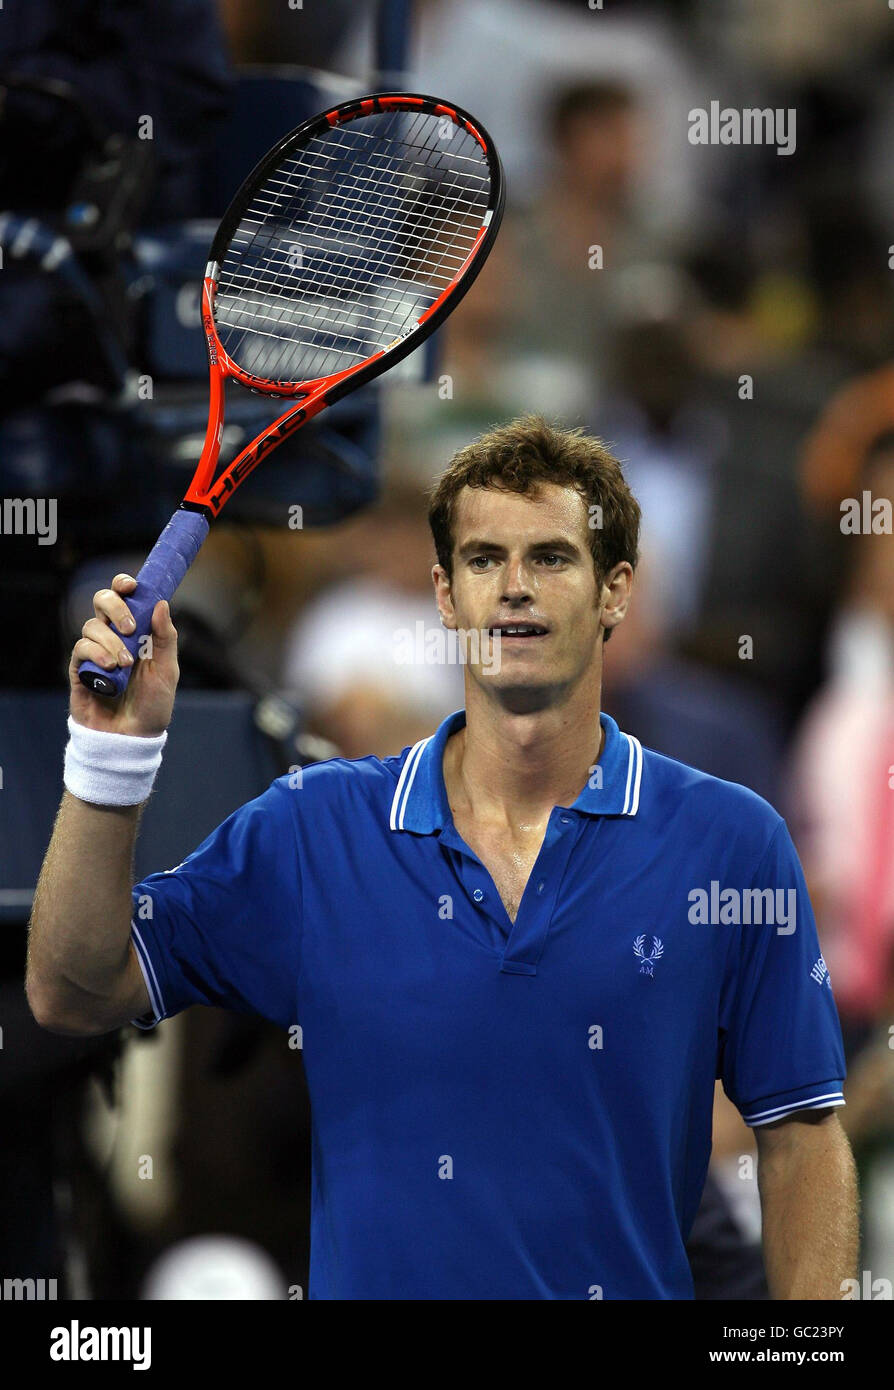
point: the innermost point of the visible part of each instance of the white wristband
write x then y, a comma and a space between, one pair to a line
111, 769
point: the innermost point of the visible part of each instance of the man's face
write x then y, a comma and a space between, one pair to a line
523, 569
601, 154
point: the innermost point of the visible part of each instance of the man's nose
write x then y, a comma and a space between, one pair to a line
516, 582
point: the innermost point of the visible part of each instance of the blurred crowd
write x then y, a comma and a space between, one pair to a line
723, 317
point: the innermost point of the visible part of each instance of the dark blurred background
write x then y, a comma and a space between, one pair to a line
722, 315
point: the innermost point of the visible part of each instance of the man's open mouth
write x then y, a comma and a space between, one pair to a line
518, 630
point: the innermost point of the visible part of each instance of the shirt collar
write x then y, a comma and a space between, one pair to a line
420, 799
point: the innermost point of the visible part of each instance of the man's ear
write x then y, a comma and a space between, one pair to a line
617, 587
443, 596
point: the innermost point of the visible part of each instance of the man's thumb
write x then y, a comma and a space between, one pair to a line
163, 631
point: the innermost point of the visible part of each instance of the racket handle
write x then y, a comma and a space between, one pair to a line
167, 563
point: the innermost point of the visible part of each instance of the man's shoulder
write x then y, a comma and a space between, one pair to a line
707, 804
343, 781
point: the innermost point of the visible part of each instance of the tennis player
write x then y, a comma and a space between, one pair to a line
519, 953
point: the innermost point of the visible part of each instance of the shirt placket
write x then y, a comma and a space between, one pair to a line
519, 943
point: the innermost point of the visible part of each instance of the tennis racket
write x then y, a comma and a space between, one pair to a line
350, 242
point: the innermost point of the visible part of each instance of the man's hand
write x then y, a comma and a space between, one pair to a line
146, 706
809, 1204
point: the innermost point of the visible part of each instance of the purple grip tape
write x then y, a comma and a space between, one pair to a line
170, 558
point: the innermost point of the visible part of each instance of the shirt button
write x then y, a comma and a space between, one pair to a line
566, 820
478, 895
541, 885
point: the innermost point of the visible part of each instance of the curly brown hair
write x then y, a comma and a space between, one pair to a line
520, 455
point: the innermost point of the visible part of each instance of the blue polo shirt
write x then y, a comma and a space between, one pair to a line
507, 1110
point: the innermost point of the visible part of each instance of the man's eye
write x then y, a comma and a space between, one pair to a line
552, 560
479, 561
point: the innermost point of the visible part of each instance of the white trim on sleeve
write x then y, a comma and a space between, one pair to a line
151, 979
766, 1117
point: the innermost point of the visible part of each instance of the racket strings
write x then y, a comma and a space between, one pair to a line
449, 260
348, 242
328, 285
399, 268
444, 235
445, 239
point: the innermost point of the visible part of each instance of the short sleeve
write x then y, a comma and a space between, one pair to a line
780, 1038
223, 928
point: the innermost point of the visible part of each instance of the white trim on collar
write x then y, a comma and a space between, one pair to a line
634, 775
619, 797
402, 794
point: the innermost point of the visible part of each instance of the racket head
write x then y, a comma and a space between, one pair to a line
350, 242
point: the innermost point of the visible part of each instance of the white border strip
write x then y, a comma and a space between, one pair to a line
634, 776
396, 821
152, 986
766, 1117
629, 774
639, 773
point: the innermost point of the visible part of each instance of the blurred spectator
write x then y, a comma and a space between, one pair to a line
506, 60
671, 438
679, 708
868, 1120
847, 262
724, 1255
581, 230
842, 796
578, 244
762, 380
368, 658
802, 38
310, 35
477, 380
837, 446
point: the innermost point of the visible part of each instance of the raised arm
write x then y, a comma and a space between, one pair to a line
82, 974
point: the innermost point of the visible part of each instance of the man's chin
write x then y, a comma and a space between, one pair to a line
518, 691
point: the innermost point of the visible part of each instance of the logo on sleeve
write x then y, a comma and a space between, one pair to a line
647, 963
820, 973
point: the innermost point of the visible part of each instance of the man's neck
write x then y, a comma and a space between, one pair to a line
510, 768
